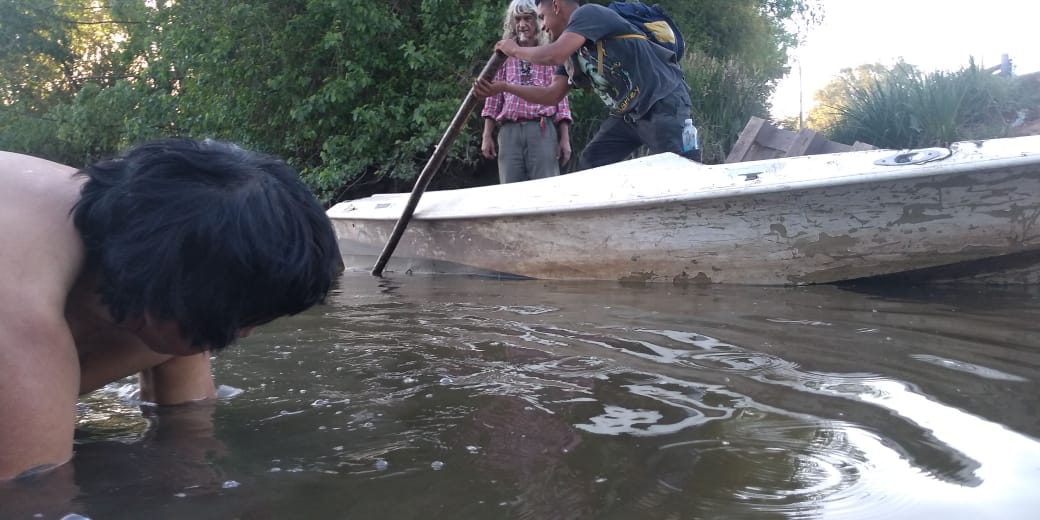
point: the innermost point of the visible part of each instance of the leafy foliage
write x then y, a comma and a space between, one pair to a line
751, 32
901, 107
50, 50
354, 93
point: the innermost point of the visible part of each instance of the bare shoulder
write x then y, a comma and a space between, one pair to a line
36, 180
42, 250
27, 175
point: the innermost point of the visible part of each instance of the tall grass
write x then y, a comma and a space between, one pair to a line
905, 108
725, 94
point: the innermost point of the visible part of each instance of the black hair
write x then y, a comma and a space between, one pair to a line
205, 233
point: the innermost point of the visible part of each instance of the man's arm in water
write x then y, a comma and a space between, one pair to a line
165, 379
179, 380
39, 382
41, 379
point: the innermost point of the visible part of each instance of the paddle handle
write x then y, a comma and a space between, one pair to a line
434, 164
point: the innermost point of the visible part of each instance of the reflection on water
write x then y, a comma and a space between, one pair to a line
464, 398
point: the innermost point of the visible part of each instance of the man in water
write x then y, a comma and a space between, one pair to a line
142, 264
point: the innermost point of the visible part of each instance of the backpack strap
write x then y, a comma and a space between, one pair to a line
600, 52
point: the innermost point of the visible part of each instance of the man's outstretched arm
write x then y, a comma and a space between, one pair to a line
556, 53
550, 95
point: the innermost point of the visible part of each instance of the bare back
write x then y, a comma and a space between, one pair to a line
57, 341
40, 258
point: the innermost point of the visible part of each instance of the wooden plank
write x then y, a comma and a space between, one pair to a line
747, 138
803, 143
761, 153
832, 147
760, 141
776, 138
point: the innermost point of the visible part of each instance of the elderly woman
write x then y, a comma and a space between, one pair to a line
533, 139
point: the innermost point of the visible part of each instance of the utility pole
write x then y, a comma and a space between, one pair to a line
801, 112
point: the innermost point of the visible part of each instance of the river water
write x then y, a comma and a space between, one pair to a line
461, 398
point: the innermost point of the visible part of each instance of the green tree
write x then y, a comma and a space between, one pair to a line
756, 33
354, 93
346, 89
50, 50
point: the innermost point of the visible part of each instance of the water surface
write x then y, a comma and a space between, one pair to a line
456, 398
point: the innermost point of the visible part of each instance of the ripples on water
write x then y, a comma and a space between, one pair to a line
459, 398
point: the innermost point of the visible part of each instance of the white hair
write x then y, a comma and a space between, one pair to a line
509, 21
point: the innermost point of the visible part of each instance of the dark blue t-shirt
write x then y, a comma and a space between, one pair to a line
634, 74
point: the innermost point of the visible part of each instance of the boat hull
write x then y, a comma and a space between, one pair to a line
823, 232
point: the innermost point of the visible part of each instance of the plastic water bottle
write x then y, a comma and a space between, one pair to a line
689, 137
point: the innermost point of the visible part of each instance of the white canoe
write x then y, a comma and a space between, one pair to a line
971, 211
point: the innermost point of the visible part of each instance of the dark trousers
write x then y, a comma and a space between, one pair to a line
660, 129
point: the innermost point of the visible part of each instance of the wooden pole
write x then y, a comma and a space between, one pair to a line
434, 164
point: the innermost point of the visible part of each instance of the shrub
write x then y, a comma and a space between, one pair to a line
904, 108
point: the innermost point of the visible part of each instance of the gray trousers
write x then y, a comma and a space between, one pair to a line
525, 152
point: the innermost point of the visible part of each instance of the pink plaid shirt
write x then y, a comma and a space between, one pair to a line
506, 107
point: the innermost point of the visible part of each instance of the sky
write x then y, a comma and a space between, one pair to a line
931, 34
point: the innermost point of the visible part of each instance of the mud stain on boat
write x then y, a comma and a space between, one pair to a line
826, 245
920, 213
637, 277
683, 279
